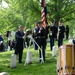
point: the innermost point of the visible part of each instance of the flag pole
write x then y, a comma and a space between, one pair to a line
44, 13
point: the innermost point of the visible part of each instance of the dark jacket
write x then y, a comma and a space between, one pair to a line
42, 36
42, 32
67, 29
61, 31
19, 41
35, 31
53, 31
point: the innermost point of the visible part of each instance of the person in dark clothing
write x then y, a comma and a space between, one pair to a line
47, 31
19, 42
67, 31
42, 40
60, 35
1, 43
35, 36
52, 33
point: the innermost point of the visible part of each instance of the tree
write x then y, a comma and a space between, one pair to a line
61, 9
27, 12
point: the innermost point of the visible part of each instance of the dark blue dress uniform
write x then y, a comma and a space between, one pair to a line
67, 32
61, 30
19, 43
42, 41
35, 36
52, 35
47, 31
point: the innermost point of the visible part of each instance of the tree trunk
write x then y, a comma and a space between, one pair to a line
57, 10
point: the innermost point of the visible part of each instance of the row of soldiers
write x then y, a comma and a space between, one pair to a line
40, 35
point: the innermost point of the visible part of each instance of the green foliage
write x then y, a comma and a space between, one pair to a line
61, 9
27, 12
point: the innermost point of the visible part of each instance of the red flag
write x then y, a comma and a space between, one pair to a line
43, 12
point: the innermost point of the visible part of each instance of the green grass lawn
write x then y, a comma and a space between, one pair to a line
36, 68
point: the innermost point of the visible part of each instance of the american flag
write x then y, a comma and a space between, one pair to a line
44, 13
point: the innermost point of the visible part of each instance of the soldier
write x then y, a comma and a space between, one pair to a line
35, 35
52, 33
67, 31
42, 40
60, 35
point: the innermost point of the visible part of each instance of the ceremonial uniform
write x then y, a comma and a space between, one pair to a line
47, 31
35, 36
52, 35
67, 31
42, 41
61, 30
